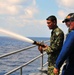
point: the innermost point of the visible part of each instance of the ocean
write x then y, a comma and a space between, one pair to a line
8, 63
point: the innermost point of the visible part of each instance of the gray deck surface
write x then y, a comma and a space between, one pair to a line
42, 72
37, 74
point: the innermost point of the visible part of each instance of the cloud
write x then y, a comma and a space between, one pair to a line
66, 7
66, 3
18, 12
17, 7
30, 11
32, 22
8, 7
12, 1
61, 13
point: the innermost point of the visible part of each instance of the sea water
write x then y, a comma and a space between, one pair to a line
8, 63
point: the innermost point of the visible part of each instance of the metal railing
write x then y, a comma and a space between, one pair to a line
20, 67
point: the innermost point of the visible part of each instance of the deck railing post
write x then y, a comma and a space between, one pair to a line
42, 57
21, 71
42, 62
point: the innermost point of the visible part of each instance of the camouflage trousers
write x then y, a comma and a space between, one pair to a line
51, 64
50, 70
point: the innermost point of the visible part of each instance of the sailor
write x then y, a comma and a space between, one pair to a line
67, 22
56, 42
67, 52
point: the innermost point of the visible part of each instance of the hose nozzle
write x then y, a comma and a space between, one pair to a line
39, 43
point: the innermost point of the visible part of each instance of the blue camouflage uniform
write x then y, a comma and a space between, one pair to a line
67, 53
56, 42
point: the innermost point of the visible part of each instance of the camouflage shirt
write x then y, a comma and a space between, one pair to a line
56, 40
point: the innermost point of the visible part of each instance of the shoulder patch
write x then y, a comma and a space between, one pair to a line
57, 33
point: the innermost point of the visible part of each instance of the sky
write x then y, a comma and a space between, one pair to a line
28, 17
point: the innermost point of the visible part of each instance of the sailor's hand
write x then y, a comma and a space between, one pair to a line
56, 71
41, 49
45, 48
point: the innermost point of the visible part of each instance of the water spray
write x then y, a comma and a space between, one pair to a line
19, 37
